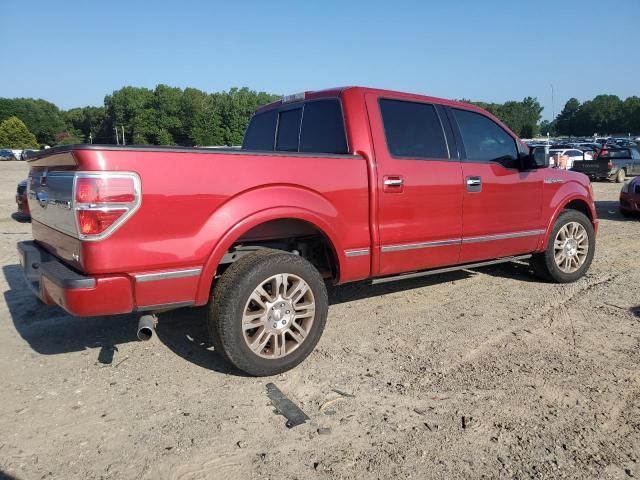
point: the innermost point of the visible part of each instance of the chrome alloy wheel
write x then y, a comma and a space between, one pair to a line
278, 316
571, 247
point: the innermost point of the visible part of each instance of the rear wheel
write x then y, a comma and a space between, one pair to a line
268, 312
570, 249
620, 176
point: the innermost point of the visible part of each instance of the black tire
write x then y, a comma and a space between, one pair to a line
230, 295
544, 264
620, 176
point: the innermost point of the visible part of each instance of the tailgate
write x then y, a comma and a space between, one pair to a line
592, 167
50, 199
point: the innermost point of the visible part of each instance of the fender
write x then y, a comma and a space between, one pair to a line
239, 215
568, 192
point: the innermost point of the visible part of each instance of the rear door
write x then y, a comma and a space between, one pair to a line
502, 204
419, 185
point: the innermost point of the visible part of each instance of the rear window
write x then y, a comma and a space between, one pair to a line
620, 153
313, 127
412, 129
289, 130
261, 133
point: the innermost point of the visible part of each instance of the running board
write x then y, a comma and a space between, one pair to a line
467, 266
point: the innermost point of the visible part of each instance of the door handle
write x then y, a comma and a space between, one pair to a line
393, 182
474, 184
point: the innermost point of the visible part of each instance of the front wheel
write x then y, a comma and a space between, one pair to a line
268, 312
569, 251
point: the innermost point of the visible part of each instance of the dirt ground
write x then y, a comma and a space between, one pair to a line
475, 374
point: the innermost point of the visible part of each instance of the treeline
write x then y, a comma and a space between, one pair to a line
604, 114
521, 117
174, 116
162, 116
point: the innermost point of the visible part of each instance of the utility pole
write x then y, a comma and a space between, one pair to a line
90, 138
123, 142
117, 138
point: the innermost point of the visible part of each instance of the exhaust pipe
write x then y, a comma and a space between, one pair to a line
146, 326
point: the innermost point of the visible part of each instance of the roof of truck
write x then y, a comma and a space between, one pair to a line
337, 91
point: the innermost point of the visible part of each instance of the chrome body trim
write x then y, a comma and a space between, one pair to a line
152, 277
502, 236
413, 246
457, 241
357, 252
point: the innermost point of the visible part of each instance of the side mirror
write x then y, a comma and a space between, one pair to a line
539, 157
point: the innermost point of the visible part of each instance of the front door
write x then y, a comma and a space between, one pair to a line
419, 186
502, 204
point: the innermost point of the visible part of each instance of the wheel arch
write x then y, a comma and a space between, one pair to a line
579, 201
277, 203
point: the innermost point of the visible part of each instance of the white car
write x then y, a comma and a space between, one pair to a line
572, 154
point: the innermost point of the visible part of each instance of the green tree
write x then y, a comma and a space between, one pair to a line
201, 122
567, 120
547, 127
42, 118
631, 114
15, 134
87, 123
133, 109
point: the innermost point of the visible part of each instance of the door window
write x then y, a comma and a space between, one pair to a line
484, 140
413, 130
323, 128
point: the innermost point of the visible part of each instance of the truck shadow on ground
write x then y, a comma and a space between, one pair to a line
50, 330
610, 210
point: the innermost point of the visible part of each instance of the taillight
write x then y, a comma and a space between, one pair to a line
103, 201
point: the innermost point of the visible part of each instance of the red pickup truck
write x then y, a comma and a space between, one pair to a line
331, 186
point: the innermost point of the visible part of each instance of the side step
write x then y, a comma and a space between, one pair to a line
467, 266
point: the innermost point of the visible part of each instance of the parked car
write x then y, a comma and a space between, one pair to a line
332, 186
27, 152
6, 154
612, 164
22, 214
630, 198
572, 155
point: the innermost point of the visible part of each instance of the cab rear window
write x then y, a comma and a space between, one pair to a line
261, 133
621, 153
311, 127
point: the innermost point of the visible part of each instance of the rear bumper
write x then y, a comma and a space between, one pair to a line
84, 296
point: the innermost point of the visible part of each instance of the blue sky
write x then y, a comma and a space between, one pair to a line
74, 53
